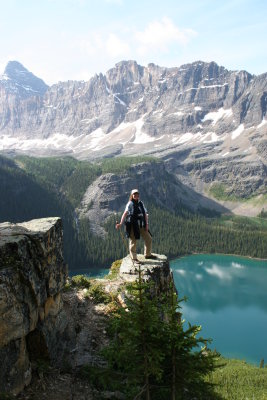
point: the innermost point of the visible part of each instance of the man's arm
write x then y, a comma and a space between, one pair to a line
122, 219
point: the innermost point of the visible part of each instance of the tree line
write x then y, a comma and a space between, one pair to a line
35, 188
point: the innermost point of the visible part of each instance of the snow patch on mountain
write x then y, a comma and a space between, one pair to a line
4, 77
217, 115
237, 132
263, 122
210, 137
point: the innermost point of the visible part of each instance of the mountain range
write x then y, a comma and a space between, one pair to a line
208, 124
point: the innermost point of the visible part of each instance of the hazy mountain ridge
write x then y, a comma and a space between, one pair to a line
182, 96
207, 122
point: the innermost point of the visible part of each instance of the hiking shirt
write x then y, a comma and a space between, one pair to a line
135, 218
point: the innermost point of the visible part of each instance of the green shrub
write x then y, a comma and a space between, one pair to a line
81, 281
68, 286
97, 292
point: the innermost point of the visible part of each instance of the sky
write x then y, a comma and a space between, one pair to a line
60, 40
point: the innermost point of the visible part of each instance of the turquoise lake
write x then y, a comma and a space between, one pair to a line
227, 296
90, 272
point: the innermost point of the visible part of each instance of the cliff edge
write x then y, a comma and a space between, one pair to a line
42, 322
32, 274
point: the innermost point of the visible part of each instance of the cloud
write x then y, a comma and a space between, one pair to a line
237, 265
88, 47
180, 271
219, 272
161, 34
116, 47
100, 43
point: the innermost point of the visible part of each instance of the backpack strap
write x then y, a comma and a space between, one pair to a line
143, 212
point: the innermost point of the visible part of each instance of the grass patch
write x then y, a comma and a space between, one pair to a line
122, 164
242, 222
114, 270
259, 200
238, 380
219, 192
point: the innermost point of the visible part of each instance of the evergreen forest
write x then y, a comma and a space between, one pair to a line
48, 187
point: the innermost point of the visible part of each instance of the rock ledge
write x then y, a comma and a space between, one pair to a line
157, 270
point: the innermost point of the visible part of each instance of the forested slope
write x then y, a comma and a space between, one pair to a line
34, 188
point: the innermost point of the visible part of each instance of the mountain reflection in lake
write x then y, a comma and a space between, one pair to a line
227, 296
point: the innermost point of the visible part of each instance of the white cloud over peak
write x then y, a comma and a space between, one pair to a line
87, 46
161, 34
105, 43
116, 46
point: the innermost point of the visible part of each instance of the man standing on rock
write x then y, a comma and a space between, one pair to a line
136, 220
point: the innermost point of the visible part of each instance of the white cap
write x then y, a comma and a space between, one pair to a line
134, 191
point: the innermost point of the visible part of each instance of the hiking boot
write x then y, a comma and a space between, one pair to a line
136, 261
151, 257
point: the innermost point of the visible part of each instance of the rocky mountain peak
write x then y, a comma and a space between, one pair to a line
124, 74
14, 70
18, 80
197, 111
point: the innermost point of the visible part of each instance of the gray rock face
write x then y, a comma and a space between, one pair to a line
19, 81
200, 110
32, 275
156, 271
170, 100
109, 193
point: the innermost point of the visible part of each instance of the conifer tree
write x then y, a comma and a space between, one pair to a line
153, 353
186, 364
136, 349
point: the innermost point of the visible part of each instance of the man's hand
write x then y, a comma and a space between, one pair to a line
118, 225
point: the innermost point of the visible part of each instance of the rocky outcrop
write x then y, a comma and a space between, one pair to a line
88, 318
32, 276
156, 271
40, 321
